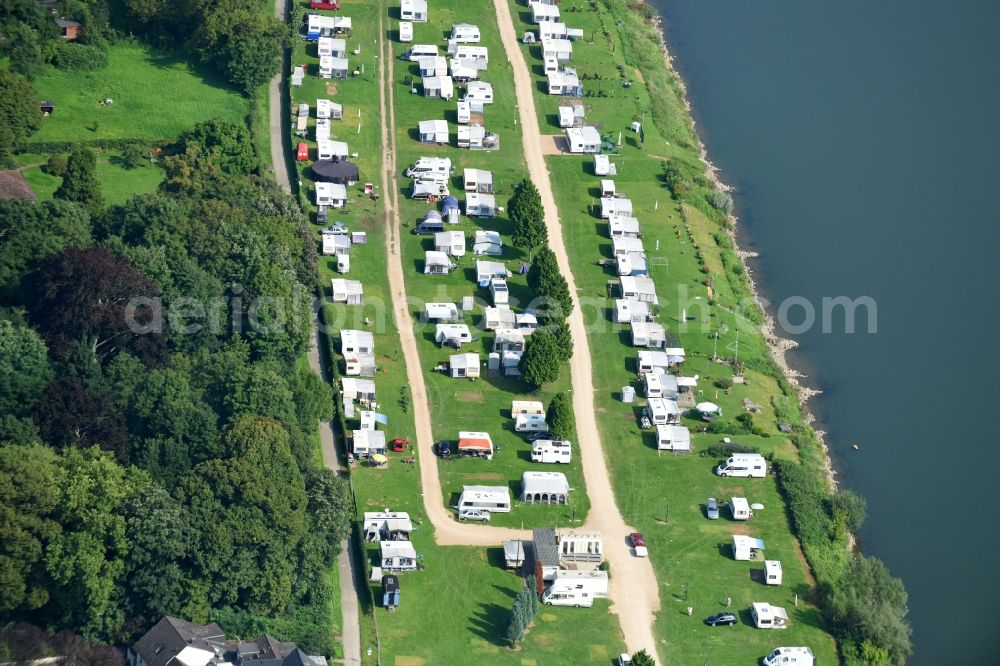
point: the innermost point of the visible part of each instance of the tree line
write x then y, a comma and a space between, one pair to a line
153, 469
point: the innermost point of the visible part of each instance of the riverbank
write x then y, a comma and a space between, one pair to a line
827, 565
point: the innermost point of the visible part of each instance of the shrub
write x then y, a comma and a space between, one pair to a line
134, 156
724, 383
722, 201
847, 510
726, 449
561, 419
56, 166
84, 57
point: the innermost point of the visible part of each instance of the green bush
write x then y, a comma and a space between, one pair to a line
56, 166
722, 201
724, 383
83, 57
726, 449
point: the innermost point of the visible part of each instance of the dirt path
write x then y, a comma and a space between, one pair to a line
346, 565
634, 590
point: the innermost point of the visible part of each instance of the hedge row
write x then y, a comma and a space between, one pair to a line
44, 147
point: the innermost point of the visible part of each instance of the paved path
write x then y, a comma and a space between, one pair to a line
634, 590
346, 564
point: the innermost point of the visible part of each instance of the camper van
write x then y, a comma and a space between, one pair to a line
430, 168
790, 656
549, 451
744, 464
418, 51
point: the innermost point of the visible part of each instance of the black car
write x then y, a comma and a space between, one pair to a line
321, 215
721, 619
535, 436
444, 449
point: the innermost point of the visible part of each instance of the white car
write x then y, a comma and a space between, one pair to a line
474, 514
624, 659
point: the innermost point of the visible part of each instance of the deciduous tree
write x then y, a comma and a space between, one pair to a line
20, 115
80, 182
24, 368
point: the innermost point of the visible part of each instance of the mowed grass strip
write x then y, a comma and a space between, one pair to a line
118, 184
156, 95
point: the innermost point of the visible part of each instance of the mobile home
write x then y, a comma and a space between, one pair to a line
480, 55
744, 465
747, 548
332, 68
477, 180
499, 291
541, 12
418, 51
487, 243
463, 70
386, 526
439, 87
479, 93
560, 49
433, 66
495, 499
522, 407
565, 116
648, 334
440, 312
347, 291
368, 442
331, 46
551, 451
327, 150
356, 342
565, 82
329, 110
611, 206
430, 168
624, 226
331, 194
583, 140
437, 263
631, 311
603, 166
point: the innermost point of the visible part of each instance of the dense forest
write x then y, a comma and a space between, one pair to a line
157, 422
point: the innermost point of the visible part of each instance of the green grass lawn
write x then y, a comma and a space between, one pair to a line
118, 184
157, 95
663, 496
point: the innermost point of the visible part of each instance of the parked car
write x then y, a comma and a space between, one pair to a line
473, 514
638, 544
712, 509
321, 214
624, 659
535, 436
399, 445
721, 619
444, 448
335, 229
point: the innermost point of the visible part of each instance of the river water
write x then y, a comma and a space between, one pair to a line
862, 138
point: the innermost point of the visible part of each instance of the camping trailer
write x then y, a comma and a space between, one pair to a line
675, 438
766, 616
473, 443
522, 407
390, 592
772, 572
406, 31
413, 10
495, 499
740, 508
744, 465
551, 451
530, 423
455, 335
747, 548
465, 33
661, 411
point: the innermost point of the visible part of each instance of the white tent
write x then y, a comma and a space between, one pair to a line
544, 488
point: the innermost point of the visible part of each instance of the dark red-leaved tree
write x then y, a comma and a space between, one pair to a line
94, 295
70, 414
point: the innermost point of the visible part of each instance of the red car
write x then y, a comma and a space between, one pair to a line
302, 152
319, 4
638, 544
398, 445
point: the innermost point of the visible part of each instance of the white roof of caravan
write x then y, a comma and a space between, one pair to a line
544, 482
443, 82
766, 611
622, 244
707, 407
451, 330
772, 566
441, 310
689, 382
332, 191
397, 549
415, 5
742, 540
449, 238
480, 199
625, 224
663, 405
464, 25
616, 205
557, 44
486, 493
739, 503
587, 134
349, 286
492, 268
432, 126
647, 328
540, 9
369, 439
436, 258
464, 361
679, 436
352, 338
527, 406
639, 285
357, 385
475, 87
473, 51
478, 176
654, 358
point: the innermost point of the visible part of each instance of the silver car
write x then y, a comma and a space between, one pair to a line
474, 514
712, 509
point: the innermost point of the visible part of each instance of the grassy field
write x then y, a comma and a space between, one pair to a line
664, 496
118, 184
156, 95
458, 603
